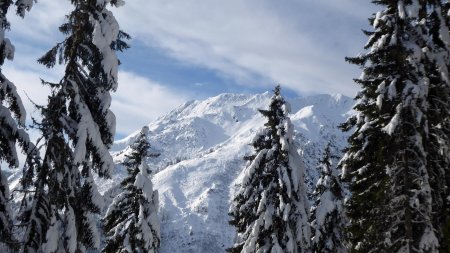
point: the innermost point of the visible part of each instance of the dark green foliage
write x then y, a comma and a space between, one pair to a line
366, 172
51, 187
77, 128
12, 132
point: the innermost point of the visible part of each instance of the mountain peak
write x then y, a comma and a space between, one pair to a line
202, 145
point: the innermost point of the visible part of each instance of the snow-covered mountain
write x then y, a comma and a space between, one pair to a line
202, 144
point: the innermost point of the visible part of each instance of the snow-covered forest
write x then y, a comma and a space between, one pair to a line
234, 172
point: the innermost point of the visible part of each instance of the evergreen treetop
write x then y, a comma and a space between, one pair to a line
270, 210
78, 128
387, 163
131, 222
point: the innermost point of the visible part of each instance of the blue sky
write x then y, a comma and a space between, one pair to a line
184, 50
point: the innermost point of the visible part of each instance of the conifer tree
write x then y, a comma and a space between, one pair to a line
387, 163
6, 231
78, 128
437, 66
12, 126
270, 211
131, 222
327, 212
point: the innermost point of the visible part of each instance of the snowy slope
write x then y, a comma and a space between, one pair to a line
202, 144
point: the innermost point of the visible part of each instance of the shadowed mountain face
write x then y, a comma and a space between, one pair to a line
202, 144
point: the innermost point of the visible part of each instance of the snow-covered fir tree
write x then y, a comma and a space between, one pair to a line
270, 211
78, 129
327, 213
388, 162
131, 222
437, 66
12, 126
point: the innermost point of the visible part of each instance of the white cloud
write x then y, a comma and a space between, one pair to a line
26, 74
301, 44
41, 23
29, 87
136, 103
139, 100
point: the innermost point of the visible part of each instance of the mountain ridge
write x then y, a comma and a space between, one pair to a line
202, 144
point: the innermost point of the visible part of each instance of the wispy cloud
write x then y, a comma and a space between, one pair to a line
301, 44
40, 25
139, 100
